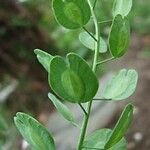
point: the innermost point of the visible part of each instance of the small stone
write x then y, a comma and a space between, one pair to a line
138, 136
24, 145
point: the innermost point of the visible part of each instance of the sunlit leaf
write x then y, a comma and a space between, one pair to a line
122, 85
98, 139
121, 7
33, 132
71, 14
73, 80
62, 109
121, 126
44, 58
89, 42
119, 36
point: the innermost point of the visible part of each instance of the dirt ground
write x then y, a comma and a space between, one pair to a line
139, 133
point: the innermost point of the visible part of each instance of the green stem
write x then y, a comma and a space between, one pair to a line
105, 61
89, 33
83, 109
94, 4
86, 117
107, 21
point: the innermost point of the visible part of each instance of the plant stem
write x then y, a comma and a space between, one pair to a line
94, 4
89, 33
105, 61
107, 21
101, 99
86, 117
83, 109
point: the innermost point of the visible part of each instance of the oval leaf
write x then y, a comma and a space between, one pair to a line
69, 80
122, 85
99, 138
62, 109
44, 58
71, 14
121, 7
89, 42
121, 126
33, 132
119, 36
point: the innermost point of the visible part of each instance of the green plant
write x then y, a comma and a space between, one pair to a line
73, 80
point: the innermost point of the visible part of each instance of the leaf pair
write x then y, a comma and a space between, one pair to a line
104, 139
122, 85
71, 79
122, 7
71, 14
34, 133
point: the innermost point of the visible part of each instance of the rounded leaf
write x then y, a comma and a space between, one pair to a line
122, 7
89, 42
72, 80
33, 132
119, 36
99, 138
122, 85
71, 14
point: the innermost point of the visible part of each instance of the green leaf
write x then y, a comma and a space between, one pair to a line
99, 138
73, 80
121, 126
33, 132
62, 109
71, 14
122, 85
44, 58
121, 7
89, 42
119, 36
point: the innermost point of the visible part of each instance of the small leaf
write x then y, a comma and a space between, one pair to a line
121, 126
122, 85
69, 80
89, 42
98, 139
33, 132
62, 109
121, 7
119, 36
44, 58
71, 14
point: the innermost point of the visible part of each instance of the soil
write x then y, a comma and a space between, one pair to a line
139, 133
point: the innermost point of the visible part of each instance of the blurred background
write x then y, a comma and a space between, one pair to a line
29, 24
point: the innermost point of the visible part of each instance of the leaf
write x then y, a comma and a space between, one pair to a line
119, 36
122, 85
121, 126
122, 7
99, 138
33, 132
89, 42
69, 80
62, 109
71, 14
44, 58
